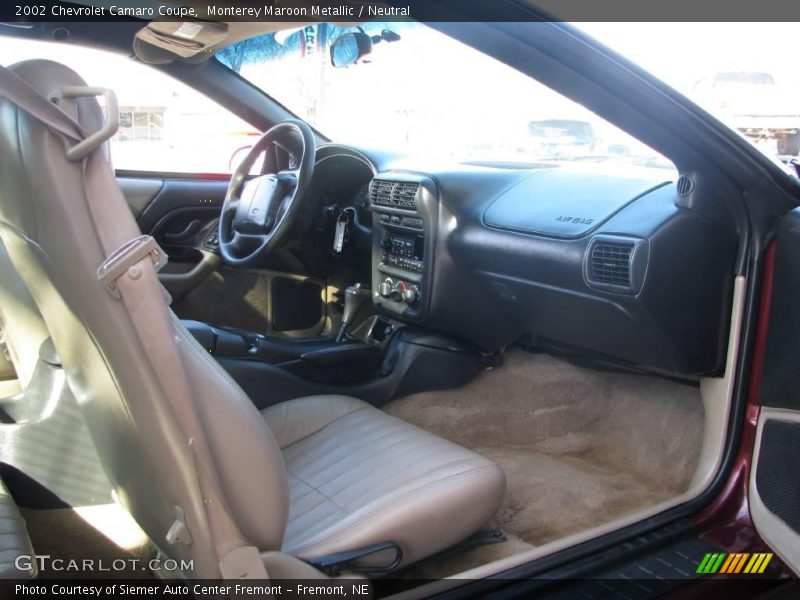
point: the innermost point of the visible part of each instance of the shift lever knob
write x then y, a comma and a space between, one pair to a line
354, 297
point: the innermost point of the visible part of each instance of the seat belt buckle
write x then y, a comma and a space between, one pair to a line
124, 259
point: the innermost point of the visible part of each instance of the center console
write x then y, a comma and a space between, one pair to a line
404, 207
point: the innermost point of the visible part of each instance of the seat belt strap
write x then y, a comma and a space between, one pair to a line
141, 293
139, 289
26, 97
137, 285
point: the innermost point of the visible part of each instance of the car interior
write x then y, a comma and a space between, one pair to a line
341, 359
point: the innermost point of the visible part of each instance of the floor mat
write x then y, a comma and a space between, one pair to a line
550, 497
579, 446
91, 542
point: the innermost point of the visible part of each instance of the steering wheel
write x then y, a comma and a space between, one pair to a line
259, 213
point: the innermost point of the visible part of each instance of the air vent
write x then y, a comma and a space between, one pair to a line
610, 263
684, 185
394, 194
404, 195
380, 193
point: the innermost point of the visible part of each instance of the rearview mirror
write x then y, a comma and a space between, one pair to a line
348, 48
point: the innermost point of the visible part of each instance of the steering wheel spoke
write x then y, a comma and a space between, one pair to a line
241, 243
232, 206
289, 177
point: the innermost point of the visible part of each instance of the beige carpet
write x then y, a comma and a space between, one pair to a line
579, 446
104, 535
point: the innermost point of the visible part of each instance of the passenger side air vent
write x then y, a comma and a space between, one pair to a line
616, 263
684, 185
394, 194
611, 263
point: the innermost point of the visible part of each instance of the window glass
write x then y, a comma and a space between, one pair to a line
424, 92
745, 74
165, 126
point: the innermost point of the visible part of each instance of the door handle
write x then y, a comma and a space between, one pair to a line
191, 229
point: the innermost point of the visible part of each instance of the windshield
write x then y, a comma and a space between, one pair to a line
745, 74
744, 78
421, 91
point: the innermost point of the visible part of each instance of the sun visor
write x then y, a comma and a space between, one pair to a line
162, 42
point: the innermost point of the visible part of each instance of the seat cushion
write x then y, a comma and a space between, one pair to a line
358, 476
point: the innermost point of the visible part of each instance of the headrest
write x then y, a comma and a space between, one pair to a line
49, 77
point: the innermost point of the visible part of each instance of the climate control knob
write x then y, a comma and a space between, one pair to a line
386, 287
410, 295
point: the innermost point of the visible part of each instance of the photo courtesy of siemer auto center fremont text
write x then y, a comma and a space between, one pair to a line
408, 299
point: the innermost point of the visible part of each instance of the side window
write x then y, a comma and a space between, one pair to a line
165, 126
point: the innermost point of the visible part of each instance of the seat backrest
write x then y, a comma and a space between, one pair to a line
48, 230
22, 325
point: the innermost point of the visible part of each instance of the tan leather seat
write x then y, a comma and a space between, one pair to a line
20, 321
310, 477
14, 540
358, 476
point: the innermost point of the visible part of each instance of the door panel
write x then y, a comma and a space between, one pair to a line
180, 197
775, 483
775, 476
139, 192
181, 214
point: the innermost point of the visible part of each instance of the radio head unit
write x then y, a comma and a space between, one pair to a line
403, 251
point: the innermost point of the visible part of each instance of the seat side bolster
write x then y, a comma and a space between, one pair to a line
248, 460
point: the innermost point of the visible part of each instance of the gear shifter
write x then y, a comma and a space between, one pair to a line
354, 297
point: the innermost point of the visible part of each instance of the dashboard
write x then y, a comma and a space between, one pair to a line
632, 265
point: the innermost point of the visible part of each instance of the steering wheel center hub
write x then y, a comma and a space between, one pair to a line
261, 198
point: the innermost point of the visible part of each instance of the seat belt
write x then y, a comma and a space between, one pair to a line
130, 275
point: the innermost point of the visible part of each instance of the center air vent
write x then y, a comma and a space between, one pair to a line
610, 264
380, 192
394, 194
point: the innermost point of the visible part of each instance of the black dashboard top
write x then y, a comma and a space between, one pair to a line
567, 203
